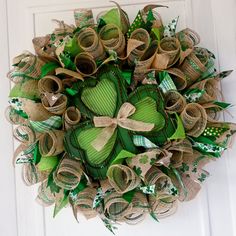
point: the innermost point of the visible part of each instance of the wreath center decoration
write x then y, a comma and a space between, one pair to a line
117, 120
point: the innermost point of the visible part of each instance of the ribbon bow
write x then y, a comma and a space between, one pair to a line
122, 120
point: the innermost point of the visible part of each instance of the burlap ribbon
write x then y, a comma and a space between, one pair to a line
140, 35
139, 209
72, 117
179, 148
162, 209
116, 207
32, 175
83, 17
45, 196
168, 53
50, 84
122, 178
194, 119
195, 64
62, 29
210, 87
85, 64
178, 77
24, 134
188, 39
163, 184
174, 102
145, 61
212, 111
84, 202
54, 103
35, 111
121, 120
14, 117
113, 39
68, 173
43, 50
26, 66
89, 42
51, 143
146, 160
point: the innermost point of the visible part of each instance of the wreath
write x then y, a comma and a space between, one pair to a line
117, 119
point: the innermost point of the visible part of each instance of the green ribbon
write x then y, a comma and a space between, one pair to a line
48, 67
48, 163
141, 141
137, 23
71, 92
54, 122
206, 146
170, 29
166, 83
180, 131
193, 95
127, 75
37, 155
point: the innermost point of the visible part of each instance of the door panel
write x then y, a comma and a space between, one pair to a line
208, 213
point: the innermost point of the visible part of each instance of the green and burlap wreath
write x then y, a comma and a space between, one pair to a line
117, 120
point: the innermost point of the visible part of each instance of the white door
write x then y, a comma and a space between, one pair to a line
212, 213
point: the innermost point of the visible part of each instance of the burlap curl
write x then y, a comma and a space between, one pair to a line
113, 39
194, 119
89, 42
50, 84
51, 143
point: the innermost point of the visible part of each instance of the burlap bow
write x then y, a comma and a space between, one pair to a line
122, 120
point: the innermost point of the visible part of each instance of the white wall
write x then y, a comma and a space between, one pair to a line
212, 213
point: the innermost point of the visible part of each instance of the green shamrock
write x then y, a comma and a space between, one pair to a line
104, 96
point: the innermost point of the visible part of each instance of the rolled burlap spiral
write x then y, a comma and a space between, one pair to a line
72, 117
68, 173
194, 119
89, 42
178, 77
143, 36
54, 103
210, 87
50, 84
212, 111
85, 64
24, 134
51, 143
162, 183
129, 179
84, 202
139, 209
194, 65
116, 207
45, 196
43, 48
174, 102
145, 61
26, 66
113, 39
170, 47
188, 38
14, 117
162, 208
32, 175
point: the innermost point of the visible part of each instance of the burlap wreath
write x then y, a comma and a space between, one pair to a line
117, 120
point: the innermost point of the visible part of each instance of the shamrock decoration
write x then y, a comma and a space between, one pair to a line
117, 119
92, 99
